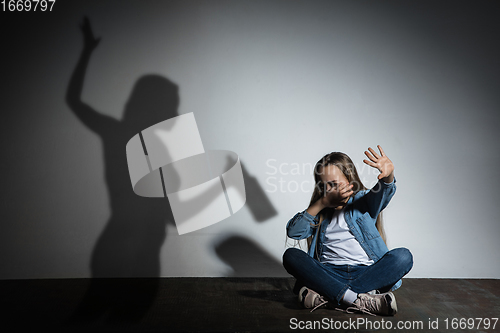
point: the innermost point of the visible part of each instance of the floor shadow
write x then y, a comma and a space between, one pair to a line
129, 246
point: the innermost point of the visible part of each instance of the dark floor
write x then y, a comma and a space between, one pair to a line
232, 305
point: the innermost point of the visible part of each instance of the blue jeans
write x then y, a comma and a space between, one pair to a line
332, 281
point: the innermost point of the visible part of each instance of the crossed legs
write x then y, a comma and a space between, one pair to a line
332, 281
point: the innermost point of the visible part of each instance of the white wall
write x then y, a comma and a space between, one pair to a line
277, 82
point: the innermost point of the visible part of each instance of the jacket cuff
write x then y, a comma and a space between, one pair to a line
389, 184
310, 217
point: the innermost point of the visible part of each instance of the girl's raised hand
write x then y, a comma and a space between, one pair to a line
382, 163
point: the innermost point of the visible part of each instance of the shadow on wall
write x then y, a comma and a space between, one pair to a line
257, 201
260, 206
248, 259
131, 241
129, 246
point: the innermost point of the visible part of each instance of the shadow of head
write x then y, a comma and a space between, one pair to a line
248, 259
154, 98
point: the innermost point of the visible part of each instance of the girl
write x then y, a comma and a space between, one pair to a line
348, 261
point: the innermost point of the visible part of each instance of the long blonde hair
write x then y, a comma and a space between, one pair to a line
345, 164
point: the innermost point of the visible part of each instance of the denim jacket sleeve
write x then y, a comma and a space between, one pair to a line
377, 198
302, 225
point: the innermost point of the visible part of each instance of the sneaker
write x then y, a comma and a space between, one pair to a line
381, 304
311, 299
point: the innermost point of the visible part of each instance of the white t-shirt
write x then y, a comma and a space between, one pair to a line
340, 246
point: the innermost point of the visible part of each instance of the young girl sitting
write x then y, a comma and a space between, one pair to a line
348, 261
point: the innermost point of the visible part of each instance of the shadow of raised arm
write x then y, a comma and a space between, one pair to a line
91, 118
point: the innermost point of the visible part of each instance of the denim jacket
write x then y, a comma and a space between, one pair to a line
361, 213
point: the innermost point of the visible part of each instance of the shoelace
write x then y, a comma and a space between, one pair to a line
353, 309
366, 305
323, 302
